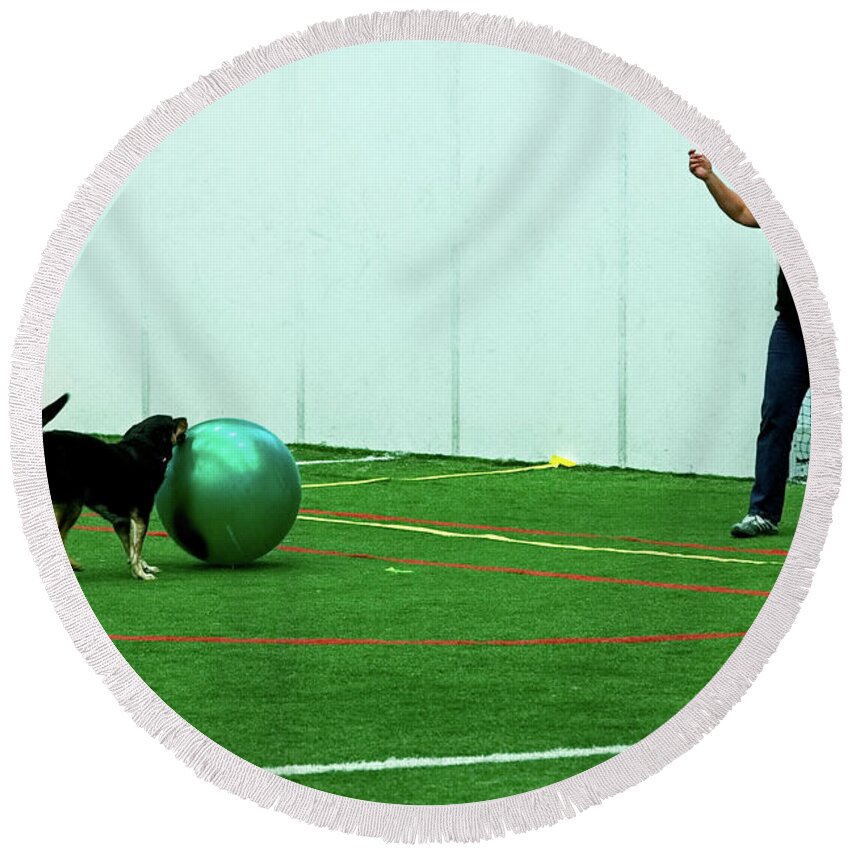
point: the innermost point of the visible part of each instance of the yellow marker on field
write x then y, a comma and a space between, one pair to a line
557, 460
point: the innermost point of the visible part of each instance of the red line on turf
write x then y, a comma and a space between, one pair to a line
380, 642
534, 531
539, 531
526, 572
367, 556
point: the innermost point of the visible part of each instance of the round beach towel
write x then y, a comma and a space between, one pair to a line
412, 421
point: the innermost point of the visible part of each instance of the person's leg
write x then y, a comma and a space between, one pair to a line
785, 385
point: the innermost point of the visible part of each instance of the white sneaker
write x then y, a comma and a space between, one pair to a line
753, 525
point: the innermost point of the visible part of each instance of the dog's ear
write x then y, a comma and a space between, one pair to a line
52, 410
180, 426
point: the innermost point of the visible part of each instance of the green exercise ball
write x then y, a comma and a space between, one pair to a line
231, 492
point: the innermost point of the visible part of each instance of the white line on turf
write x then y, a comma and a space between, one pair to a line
369, 459
448, 761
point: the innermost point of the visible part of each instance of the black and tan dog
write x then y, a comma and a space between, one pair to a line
117, 480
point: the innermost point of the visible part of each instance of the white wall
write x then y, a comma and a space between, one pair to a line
440, 248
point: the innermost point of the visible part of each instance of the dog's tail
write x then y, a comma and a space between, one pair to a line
52, 409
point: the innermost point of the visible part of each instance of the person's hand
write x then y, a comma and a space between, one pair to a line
700, 167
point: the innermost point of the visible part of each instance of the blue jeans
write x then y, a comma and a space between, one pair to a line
786, 381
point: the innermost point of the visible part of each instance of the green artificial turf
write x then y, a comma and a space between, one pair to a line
282, 704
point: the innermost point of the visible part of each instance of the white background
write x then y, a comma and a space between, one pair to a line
485, 247
79, 773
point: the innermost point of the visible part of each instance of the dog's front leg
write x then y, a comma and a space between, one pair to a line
122, 528
138, 530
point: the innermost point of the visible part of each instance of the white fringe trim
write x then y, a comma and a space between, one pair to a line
399, 823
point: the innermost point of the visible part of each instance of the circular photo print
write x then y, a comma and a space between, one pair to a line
426, 420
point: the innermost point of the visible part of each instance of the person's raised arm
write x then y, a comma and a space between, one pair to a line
728, 200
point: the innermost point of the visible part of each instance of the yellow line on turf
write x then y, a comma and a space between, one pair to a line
574, 547
488, 472
435, 477
345, 483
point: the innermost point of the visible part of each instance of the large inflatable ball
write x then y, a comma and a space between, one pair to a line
231, 492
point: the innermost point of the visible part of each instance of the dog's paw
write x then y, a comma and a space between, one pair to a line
139, 572
149, 568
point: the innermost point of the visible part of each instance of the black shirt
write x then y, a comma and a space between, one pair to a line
785, 301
